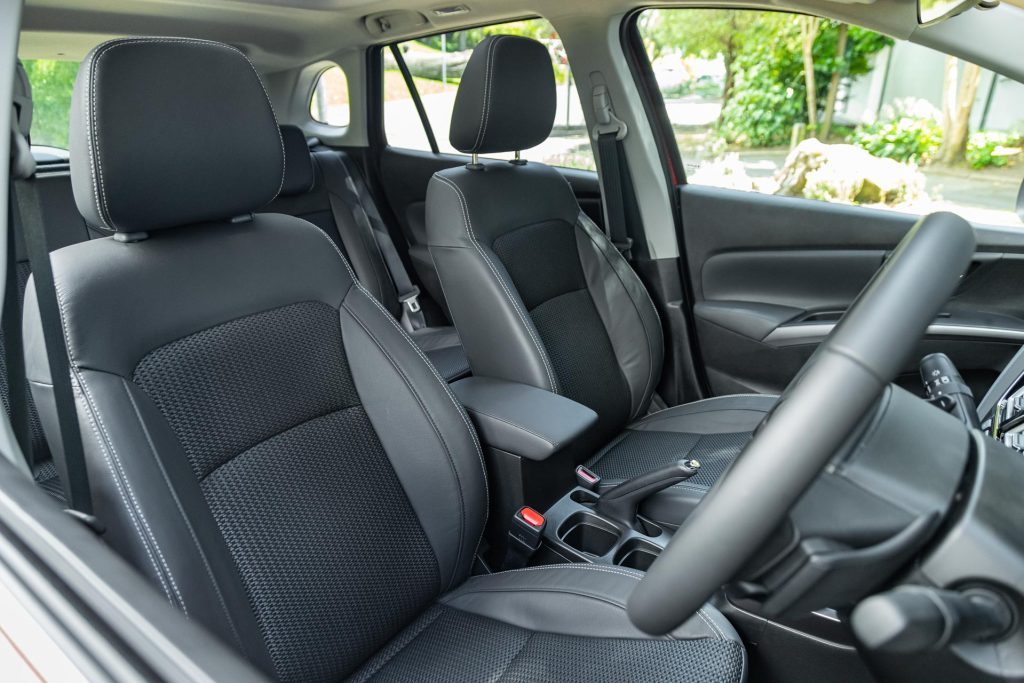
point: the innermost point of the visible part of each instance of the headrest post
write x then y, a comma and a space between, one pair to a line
518, 160
474, 162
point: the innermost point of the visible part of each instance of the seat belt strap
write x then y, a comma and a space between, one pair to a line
14, 357
608, 133
71, 467
408, 293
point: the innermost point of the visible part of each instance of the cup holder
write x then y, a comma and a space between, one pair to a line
583, 497
588, 534
637, 554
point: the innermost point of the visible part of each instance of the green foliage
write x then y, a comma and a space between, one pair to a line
765, 92
908, 132
52, 82
993, 148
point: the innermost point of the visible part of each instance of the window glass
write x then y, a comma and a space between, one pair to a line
895, 125
52, 82
436, 64
329, 103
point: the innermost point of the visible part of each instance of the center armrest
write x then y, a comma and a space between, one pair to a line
521, 419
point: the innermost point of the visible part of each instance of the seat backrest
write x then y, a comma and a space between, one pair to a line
538, 293
326, 188
263, 441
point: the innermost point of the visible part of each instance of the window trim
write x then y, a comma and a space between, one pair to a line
315, 82
414, 92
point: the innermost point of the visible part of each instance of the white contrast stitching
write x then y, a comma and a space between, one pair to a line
433, 370
510, 423
481, 135
711, 623
92, 137
528, 326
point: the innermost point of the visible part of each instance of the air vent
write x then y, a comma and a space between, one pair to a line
450, 11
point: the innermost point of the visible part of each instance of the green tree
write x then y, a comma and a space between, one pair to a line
771, 93
52, 81
704, 33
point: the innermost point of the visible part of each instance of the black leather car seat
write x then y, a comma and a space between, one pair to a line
326, 188
264, 441
540, 296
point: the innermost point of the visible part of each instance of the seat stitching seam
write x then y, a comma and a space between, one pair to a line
485, 112
504, 671
108, 445
528, 326
602, 249
184, 517
549, 442
400, 650
120, 481
491, 61
444, 385
710, 623
101, 199
423, 408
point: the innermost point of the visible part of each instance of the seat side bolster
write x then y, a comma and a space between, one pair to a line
149, 500
573, 599
427, 436
627, 312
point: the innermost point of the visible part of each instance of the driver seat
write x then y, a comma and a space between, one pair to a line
264, 441
539, 294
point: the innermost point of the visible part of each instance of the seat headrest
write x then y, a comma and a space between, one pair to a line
506, 99
168, 132
298, 163
23, 99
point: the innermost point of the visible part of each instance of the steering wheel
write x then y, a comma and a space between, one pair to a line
837, 386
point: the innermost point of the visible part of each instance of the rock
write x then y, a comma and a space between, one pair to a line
847, 173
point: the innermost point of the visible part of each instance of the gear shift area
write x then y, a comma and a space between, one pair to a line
606, 527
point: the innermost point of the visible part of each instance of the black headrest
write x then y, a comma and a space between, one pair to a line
23, 164
23, 99
171, 131
506, 99
298, 163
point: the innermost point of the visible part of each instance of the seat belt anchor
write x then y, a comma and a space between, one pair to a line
411, 299
607, 121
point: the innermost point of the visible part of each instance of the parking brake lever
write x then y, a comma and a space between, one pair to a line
620, 502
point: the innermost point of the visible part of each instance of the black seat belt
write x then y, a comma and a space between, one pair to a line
26, 218
609, 133
14, 357
345, 189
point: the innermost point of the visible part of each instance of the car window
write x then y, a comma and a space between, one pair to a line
52, 82
896, 125
436, 65
329, 103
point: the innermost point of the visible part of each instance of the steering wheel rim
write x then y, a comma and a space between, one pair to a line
864, 353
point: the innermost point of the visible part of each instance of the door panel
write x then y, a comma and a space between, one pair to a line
771, 276
404, 176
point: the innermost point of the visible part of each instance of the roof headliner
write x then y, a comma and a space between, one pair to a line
283, 34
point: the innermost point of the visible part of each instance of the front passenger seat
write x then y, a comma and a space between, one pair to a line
264, 441
540, 296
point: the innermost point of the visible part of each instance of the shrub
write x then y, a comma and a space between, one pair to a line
993, 148
907, 131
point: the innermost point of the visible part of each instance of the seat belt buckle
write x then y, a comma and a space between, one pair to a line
411, 299
587, 479
524, 537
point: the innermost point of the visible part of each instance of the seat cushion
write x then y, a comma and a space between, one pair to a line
555, 623
444, 349
713, 431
